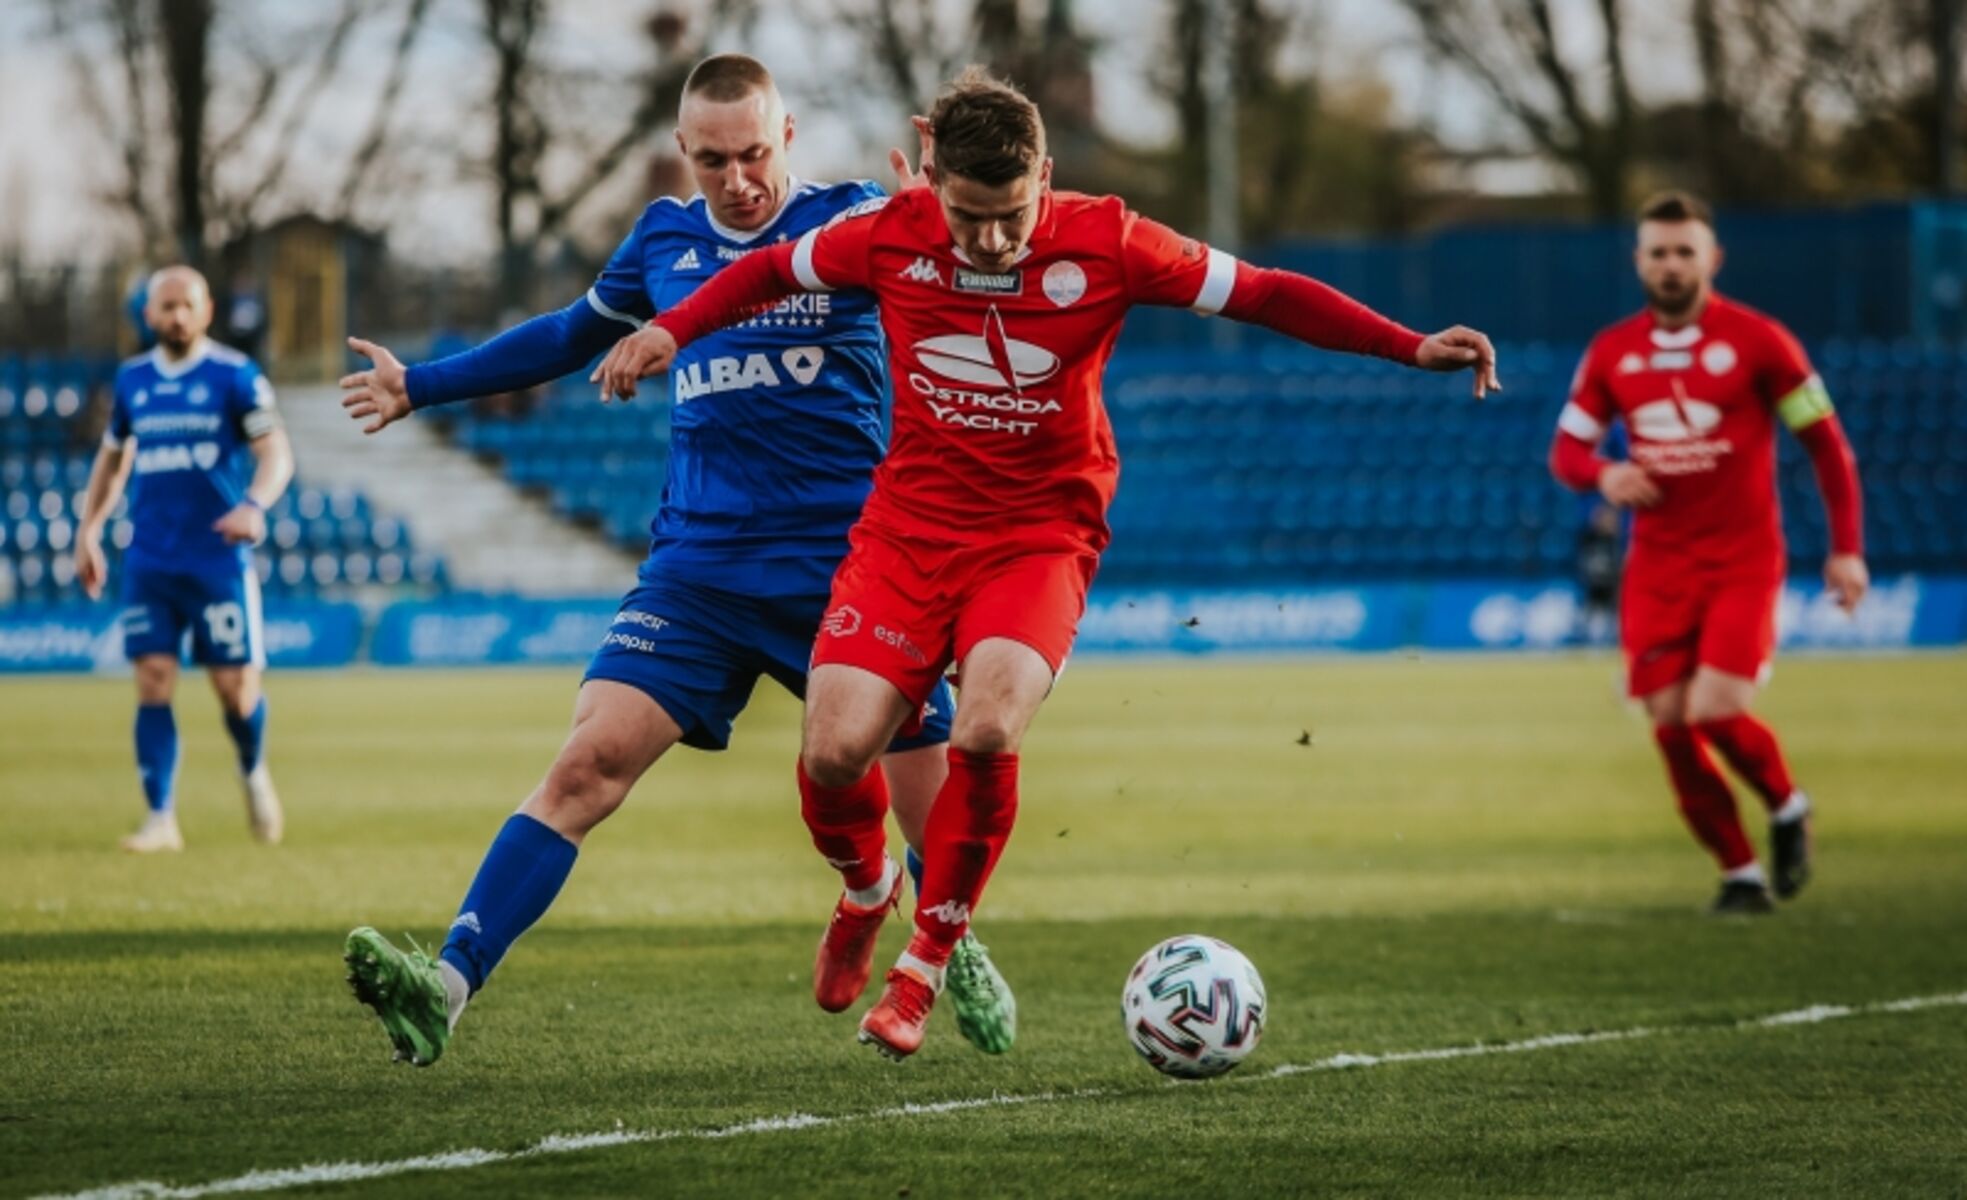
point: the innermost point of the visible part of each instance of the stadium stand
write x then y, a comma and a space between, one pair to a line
1272, 464
320, 543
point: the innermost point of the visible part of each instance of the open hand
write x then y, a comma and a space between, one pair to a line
1458, 347
91, 569
918, 176
1847, 577
1628, 486
244, 524
648, 351
381, 395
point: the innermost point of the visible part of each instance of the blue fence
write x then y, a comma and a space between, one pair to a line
1903, 612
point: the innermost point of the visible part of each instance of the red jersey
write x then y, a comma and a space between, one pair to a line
998, 422
1700, 403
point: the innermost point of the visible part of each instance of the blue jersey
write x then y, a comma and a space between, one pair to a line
191, 422
777, 423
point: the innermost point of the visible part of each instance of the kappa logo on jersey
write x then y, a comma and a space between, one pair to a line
994, 360
1674, 420
1632, 364
689, 261
729, 374
844, 621
923, 270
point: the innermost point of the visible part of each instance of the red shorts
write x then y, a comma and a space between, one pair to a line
1671, 624
905, 609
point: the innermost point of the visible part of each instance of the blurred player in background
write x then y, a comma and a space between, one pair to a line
775, 435
1001, 300
1701, 383
182, 414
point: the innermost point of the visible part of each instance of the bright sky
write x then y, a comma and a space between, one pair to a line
48, 187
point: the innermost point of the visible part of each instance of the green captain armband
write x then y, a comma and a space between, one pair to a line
1807, 405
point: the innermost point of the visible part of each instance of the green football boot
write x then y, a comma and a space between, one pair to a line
404, 990
986, 1011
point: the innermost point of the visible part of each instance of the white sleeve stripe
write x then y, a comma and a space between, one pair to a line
1580, 424
1217, 284
802, 263
594, 302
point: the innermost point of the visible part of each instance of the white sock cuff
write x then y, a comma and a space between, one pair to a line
1747, 873
931, 975
1793, 809
457, 991
876, 896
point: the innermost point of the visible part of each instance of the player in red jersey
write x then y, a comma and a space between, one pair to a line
1001, 300
1700, 382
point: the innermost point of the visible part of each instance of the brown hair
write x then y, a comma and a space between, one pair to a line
986, 130
723, 78
1674, 207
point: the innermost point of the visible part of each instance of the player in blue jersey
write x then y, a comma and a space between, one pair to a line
763, 482
187, 416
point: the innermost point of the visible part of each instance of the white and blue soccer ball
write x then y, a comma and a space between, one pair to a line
1193, 1007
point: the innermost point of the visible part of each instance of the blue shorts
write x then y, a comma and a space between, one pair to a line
699, 651
218, 603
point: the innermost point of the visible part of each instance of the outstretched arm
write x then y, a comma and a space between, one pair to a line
535, 352
756, 281
1165, 268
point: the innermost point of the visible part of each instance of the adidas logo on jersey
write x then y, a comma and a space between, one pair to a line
950, 912
923, 270
689, 261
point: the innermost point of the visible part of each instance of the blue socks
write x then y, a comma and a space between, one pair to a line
249, 735
914, 862
515, 885
157, 754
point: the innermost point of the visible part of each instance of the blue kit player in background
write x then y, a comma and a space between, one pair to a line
775, 436
187, 415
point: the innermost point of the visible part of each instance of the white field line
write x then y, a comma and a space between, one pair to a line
459, 1160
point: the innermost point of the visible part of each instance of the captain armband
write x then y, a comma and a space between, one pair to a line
1807, 405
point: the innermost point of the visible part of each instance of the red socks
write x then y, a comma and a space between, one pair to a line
1751, 748
966, 833
1705, 800
848, 825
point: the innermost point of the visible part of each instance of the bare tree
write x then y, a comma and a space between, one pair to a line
1578, 111
186, 186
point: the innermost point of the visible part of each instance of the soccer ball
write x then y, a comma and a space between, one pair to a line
1193, 1007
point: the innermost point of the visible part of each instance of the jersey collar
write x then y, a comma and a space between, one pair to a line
177, 370
793, 187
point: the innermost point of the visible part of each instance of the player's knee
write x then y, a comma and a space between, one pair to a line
585, 785
835, 762
985, 733
1702, 709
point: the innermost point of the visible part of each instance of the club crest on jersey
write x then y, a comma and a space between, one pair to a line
986, 284
923, 270
1064, 283
198, 394
1718, 358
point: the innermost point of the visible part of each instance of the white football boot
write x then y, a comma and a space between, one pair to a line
158, 833
263, 806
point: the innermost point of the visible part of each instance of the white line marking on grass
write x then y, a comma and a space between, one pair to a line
459, 1160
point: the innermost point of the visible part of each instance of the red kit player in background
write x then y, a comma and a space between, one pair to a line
1001, 300
1701, 382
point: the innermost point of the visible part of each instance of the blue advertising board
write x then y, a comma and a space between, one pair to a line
89, 638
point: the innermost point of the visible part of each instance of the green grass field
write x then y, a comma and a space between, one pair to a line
1469, 851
